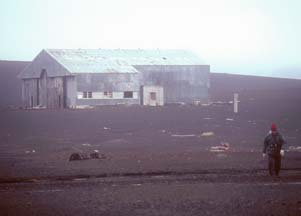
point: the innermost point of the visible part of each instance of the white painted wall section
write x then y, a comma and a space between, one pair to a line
153, 96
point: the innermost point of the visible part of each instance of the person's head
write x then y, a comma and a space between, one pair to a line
274, 128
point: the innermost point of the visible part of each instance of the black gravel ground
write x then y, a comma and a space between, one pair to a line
156, 161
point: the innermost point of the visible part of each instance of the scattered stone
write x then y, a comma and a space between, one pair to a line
78, 156
221, 148
95, 155
206, 134
86, 156
294, 148
86, 144
28, 151
183, 135
206, 104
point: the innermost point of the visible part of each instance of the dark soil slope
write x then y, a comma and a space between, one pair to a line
224, 85
10, 85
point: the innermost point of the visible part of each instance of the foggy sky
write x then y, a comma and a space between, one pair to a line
257, 37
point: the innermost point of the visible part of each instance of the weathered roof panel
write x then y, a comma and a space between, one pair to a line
119, 60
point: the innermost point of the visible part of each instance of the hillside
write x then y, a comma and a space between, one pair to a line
10, 85
224, 85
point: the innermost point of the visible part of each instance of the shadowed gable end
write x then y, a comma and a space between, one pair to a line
44, 62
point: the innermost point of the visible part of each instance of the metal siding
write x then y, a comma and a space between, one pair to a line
55, 92
43, 89
71, 91
97, 102
107, 82
29, 93
116, 82
184, 83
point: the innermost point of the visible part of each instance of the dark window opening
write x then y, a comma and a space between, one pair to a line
153, 96
87, 95
108, 94
43, 73
31, 101
128, 94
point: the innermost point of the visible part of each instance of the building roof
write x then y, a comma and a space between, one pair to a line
119, 60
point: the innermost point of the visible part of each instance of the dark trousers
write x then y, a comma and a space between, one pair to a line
274, 164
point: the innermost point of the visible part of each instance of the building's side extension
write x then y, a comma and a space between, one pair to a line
152, 95
181, 83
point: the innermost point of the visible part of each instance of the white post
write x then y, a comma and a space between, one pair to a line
235, 102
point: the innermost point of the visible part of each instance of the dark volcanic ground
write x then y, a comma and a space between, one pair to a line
149, 168
141, 138
189, 195
156, 160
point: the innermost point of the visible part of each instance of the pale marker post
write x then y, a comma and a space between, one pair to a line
235, 102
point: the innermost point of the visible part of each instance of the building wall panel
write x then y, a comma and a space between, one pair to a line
117, 83
71, 91
97, 102
29, 93
180, 83
55, 94
152, 95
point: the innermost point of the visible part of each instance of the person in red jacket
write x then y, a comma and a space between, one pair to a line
273, 143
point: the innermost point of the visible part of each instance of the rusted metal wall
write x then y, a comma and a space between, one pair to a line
181, 83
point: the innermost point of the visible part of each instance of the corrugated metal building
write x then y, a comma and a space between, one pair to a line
61, 78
